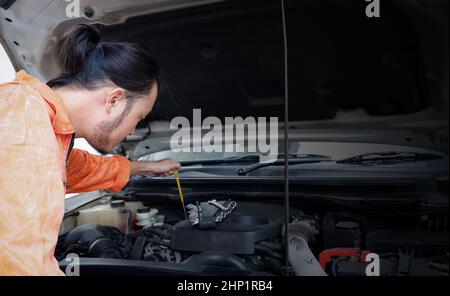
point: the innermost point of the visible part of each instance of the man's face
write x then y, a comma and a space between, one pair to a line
119, 121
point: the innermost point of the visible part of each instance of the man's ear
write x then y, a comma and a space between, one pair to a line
115, 97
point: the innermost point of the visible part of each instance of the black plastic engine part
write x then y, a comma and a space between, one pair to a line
346, 266
342, 230
104, 248
397, 265
247, 224
423, 243
94, 240
217, 259
125, 267
138, 248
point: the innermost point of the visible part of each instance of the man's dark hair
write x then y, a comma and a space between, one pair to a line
89, 63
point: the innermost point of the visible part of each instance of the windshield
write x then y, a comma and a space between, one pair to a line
315, 160
335, 151
192, 156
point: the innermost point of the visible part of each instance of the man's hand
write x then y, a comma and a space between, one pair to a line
164, 167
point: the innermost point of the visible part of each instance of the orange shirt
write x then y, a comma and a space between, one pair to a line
35, 174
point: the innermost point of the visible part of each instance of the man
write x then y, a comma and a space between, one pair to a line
38, 123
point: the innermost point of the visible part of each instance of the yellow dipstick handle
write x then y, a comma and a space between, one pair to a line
177, 177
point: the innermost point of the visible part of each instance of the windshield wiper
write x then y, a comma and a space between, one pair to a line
255, 158
391, 157
293, 159
236, 159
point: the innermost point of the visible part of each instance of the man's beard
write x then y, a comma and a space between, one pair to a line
101, 137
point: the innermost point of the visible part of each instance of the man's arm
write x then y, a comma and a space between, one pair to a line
163, 167
88, 172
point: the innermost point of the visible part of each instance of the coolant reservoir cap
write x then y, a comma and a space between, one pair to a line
143, 210
117, 203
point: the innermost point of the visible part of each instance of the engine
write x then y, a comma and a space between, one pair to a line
250, 238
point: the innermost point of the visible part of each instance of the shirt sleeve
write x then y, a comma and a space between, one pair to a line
88, 172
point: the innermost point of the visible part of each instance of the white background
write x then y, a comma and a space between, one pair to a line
6, 69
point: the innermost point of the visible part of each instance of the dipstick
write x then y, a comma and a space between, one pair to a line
180, 192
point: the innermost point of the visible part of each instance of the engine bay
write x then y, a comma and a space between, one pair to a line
249, 240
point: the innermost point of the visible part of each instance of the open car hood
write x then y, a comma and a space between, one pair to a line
381, 80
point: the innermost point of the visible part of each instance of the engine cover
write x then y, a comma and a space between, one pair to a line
237, 234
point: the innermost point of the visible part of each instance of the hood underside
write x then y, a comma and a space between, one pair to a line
226, 57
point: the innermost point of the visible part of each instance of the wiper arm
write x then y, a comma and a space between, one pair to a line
391, 157
237, 159
293, 159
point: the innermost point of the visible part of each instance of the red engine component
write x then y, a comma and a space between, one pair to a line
326, 255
